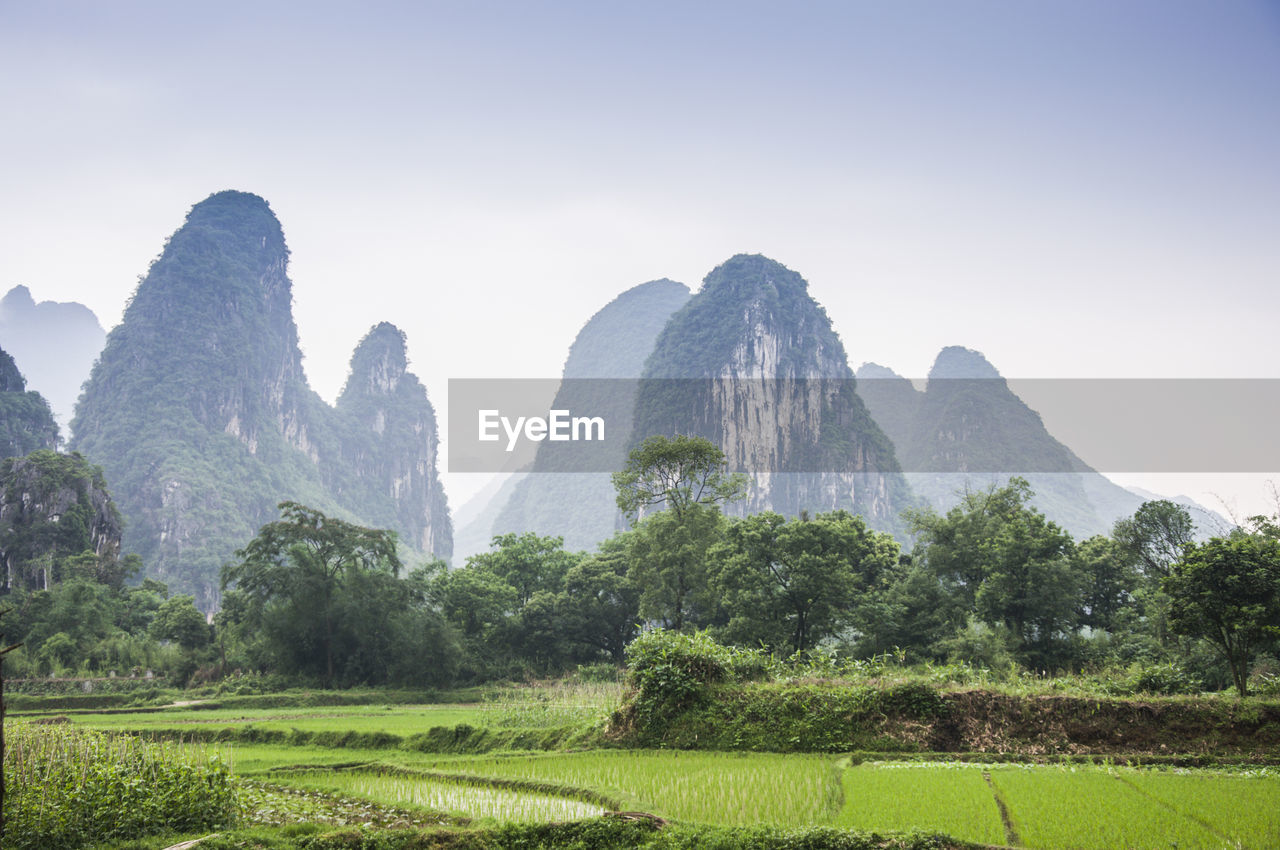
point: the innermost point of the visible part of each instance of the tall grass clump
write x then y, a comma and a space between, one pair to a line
561, 703
67, 787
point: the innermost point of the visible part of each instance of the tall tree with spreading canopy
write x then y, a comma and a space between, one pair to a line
685, 477
675, 473
796, 582
293, 579
1155, 535
1151, 541
1227, 591
1009, 565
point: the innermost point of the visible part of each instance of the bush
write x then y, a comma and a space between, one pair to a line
1163, 679
671, 670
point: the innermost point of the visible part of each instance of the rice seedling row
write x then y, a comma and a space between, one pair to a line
724, 788
1091, 809
1242, 807
927, 797
457, 798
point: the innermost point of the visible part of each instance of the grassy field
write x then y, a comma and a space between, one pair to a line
455, 798
724, 788
1136, 808
1044, 806
952, 799
505, 708
396, 719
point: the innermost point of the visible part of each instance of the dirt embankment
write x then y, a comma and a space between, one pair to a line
988, 722
917, 718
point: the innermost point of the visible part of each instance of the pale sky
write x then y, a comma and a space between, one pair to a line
1082, 188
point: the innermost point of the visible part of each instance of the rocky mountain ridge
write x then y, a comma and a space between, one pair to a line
580, 506
200, 414
752, 363
967, 430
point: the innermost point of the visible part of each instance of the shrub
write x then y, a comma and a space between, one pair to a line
1165, 679
671, 670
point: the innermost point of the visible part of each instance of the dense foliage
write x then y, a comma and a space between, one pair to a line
65, 584
26, 422
1227, 591
794, 584
69, 787
200, 413
992, 584
318, 597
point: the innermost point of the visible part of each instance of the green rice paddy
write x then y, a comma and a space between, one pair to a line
1046, 807
454, 798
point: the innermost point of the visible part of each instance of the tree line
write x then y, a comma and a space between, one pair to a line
991, 583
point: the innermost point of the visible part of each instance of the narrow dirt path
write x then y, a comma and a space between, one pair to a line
1010, 834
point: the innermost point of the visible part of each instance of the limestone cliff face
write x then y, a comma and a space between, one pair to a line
200, 413
52, 507
760, 372
26, 422
392, 445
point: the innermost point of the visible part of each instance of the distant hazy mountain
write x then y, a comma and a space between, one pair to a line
967, 429
56, 343
201, 417
26, 423
764, 376
580, 506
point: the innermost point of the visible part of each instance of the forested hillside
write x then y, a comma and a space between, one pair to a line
200, 414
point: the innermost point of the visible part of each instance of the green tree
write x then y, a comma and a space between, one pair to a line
797, 582
1009, 565
685, 477
1151, 541
303, 578
527, 562
669, 562
1227, 591
178, 620
505, 603
1108, 582
599, 608
82, 611
917, 615
1155, 535
676, 474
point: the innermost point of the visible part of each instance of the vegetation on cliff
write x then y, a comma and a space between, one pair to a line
26, 422
752, 346
200, 414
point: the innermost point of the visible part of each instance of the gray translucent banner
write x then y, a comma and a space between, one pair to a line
980, 425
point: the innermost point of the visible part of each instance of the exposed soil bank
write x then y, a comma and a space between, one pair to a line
918, 718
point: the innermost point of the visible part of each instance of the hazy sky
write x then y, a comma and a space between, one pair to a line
1075, 188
